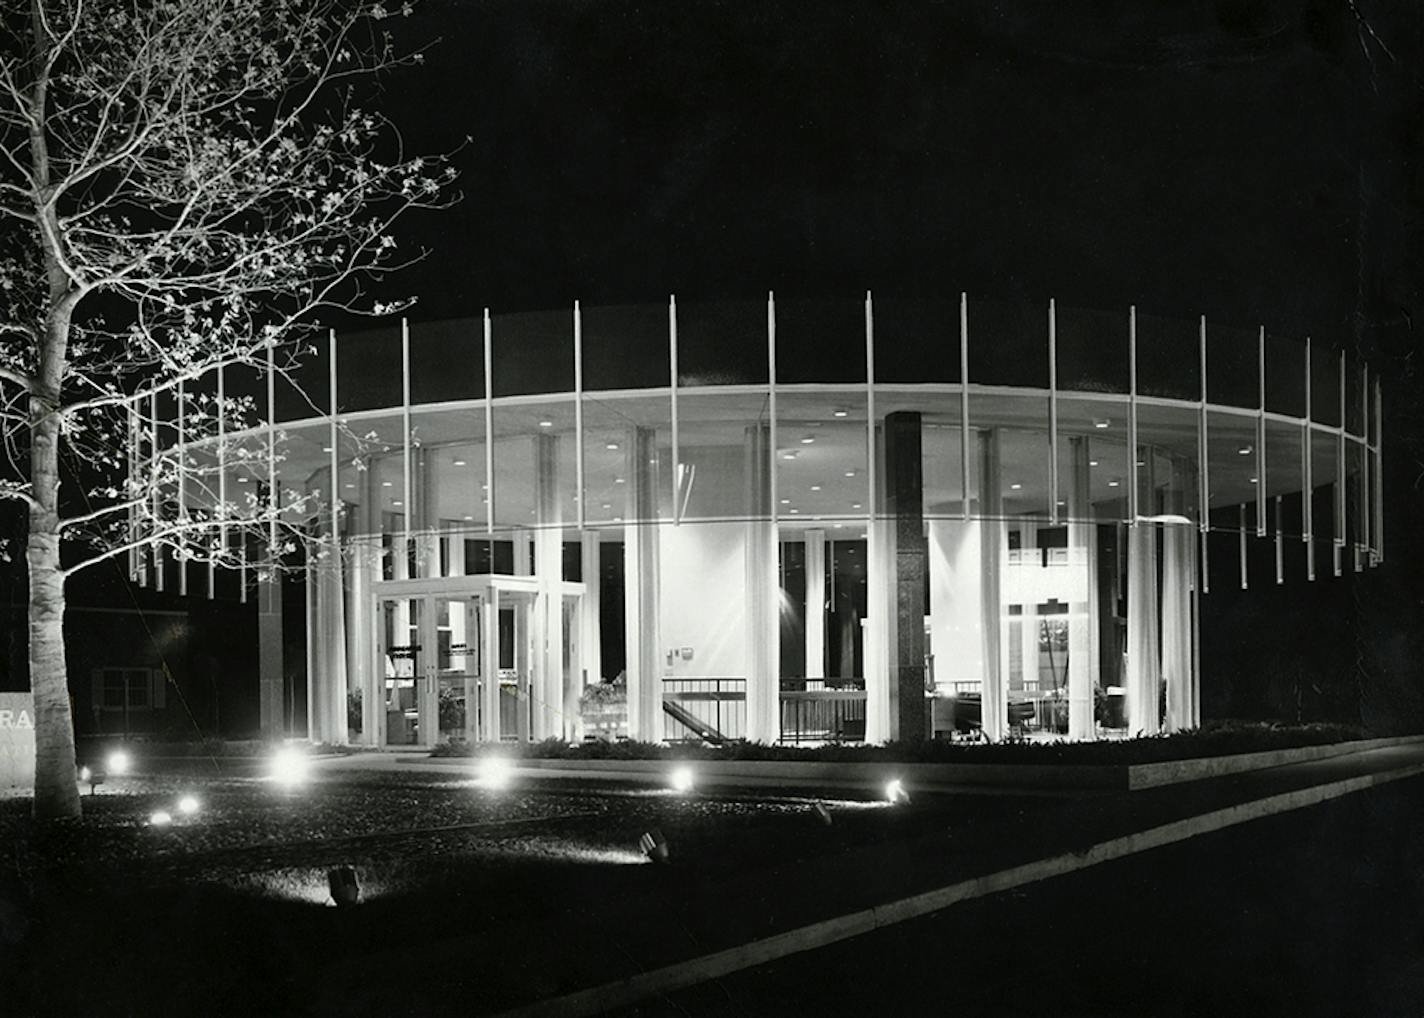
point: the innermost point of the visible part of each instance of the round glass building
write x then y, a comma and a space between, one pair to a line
791, 520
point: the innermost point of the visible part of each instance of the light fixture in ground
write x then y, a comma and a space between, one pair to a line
159, 818
289, 766
188, 805
681, 779
118, 762
895, 791
653, 845
494, 772
345, 889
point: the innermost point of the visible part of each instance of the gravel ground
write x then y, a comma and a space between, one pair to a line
223, 911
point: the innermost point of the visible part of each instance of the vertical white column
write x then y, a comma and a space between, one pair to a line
313, 619
366, 673
406, 466
1052, 413
1364, 541
1307, 469
1143, 669
1378, 476
815, 604
580, 489
1027, 624
1280, 544
763, 621
489, 667
640, 590
1132, 490
676, 470
1261, 433
549, 679
181, 463
875, 643
1340, 521
994, 706
222, 465
590, 609
274, 497
1241, 544
1082, 624
489, 430
1177, 575
155, 498
964, 451
1204, 464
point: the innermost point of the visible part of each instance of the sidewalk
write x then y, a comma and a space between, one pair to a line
683, 927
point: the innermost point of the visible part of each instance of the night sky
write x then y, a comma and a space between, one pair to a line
1256, 162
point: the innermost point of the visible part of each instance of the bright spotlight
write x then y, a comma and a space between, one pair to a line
681, 779
654, 845
895, 792
495, 772
289, 766
159, 819
118, 762
188, 805
85, 774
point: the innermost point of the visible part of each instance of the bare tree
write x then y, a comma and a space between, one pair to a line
184, 185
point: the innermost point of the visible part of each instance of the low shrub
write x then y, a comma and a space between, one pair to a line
1217, 738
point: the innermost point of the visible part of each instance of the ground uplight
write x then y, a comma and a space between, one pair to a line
495, 772
118, 762
895, 792
289, 766
681, 779
188, 805
160, 818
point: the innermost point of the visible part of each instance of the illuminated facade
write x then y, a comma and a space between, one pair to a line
795, 520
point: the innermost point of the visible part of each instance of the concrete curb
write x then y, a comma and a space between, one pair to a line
1171, 772
670, 978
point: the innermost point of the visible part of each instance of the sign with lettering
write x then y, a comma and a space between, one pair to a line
17, 741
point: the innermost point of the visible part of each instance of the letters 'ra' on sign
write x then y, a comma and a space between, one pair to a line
15, 719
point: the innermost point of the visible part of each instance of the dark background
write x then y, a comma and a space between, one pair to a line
1252, 161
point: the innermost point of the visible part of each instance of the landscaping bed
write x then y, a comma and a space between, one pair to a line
1225, 738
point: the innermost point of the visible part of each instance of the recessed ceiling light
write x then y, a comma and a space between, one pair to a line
385, 484
839, 413
617, 480
1253, 480
1142, 463
1061, 502
326, 448
815, 487
467, 517
1102, 423
1245, 450
850, 473
607, 505
793, 510
788, 455
617, 519
1112, 484
459, 463
546, 424
348, 484
838, 525
1092, 463
855, 505
611, 445
1016, 486
807, 440
397, 502
786, 501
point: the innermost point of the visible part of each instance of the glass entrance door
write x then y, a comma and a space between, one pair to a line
401, 664
457, 666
